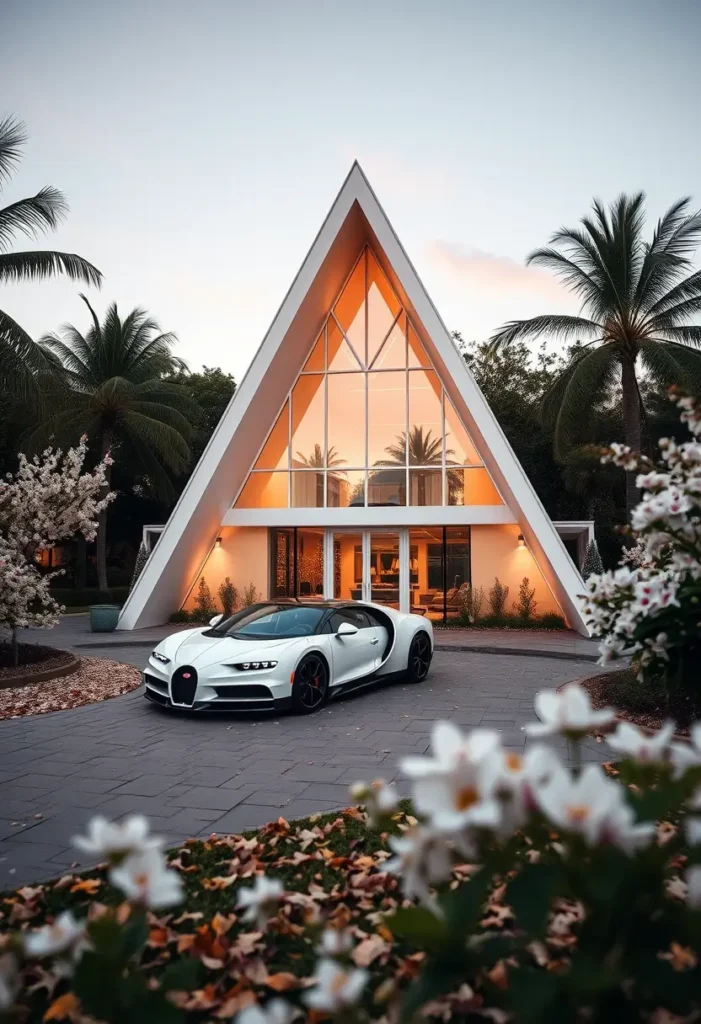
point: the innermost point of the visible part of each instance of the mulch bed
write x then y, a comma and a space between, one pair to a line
332, 868
97, 679
31, 656
632, 700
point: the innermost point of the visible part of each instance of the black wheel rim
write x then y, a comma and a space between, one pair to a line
311, 679
420, 659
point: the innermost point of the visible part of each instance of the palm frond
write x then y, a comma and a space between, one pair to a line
165, 414
588, 382
161, 439
557, 325
29, 266
675, 316
670, 364
13, 136
576, 277
688, 288
22, 361
33, 216
687, 335
668, 255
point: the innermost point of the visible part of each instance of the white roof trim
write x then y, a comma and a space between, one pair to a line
163, 575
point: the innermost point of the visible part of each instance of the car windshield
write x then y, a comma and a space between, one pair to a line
270, 622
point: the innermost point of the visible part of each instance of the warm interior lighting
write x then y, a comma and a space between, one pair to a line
521, 541
218, 542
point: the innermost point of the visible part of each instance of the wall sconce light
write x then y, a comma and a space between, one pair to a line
521, 541
218, 542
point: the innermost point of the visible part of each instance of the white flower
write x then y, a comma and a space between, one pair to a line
380, 799
594, 806
336, 987
632, 742
335, 942
9, 980
260, 900
422, 859
451, 748
146, 878
567, 711
687, 755
693, 829
513, 780
60, 937
277, 1011
117, 839
456, 799
693, 881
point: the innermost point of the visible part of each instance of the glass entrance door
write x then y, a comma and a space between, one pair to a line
369, 565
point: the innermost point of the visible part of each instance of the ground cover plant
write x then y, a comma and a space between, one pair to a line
512, 888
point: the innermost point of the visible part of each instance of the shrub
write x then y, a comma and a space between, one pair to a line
181, 616
526, 604
205, 607
649, 606
229, 597
550, 620
250, 595
497, 597
141, 560
471, 602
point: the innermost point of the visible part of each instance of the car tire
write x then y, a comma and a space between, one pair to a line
310, 688
420, 654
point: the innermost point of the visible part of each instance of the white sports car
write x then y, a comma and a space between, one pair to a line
283, 654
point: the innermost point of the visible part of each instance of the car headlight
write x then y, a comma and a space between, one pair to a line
160, 657
246, 666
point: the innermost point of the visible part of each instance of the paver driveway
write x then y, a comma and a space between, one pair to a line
193, 775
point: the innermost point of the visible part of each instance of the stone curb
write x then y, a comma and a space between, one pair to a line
522, 652
43, 675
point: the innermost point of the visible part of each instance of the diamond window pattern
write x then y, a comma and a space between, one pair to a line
368, 421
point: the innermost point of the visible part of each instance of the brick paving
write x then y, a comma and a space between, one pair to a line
195, 774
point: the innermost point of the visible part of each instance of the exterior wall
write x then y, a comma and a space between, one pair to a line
243, 556
496, 552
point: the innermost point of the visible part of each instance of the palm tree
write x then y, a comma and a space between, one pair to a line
115, 393
316, 459
637, 300
21, 359
424, 450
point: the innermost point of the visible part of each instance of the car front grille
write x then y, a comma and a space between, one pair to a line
183, 686
156, 684
244, 691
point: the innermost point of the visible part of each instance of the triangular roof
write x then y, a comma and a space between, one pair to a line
355, 219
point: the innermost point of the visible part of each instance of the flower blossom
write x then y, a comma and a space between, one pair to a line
276, 1011
567, 711
145, 878
513, 780
687, 755
335, 942
633, 742
63, 936
260, 900
114, 840
337, 988
450, 749
421, 859
595, 807
380, 799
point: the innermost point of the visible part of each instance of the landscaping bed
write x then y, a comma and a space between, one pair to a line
332, 869
643, 703
95, 679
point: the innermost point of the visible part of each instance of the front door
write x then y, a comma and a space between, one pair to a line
369, 565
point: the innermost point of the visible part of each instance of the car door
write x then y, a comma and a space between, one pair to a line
354, 655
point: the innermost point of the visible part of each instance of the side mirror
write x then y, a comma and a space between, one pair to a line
216, 620
347, 629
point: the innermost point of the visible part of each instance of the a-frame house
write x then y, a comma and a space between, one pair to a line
358, 458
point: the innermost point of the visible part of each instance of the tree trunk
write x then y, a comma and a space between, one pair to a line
81, 562
15, 647
101, 552
631, 423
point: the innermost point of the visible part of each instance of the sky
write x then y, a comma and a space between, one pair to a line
200, 145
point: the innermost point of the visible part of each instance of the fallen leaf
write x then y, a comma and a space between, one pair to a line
62, 1007
369, 949
219, 882
283, 981
87, 885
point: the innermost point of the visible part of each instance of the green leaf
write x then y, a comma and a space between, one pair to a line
463, 906
532, 995
134, 936
182, 976
530, 895
97, 983
436, 979
419, 927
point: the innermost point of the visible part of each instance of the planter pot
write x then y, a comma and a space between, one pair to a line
103, 617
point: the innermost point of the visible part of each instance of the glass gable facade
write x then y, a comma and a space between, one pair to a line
367, 422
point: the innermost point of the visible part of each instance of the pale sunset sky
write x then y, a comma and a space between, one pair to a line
200, 145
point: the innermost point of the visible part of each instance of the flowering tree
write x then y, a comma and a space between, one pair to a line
650, 607
592, 561
50, 498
